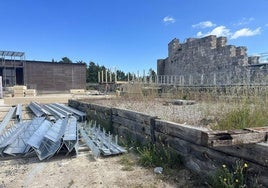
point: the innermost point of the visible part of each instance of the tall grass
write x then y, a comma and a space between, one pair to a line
223, 108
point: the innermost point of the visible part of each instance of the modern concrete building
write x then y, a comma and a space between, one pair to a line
40, 75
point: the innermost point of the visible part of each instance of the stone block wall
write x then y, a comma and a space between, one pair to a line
205, 56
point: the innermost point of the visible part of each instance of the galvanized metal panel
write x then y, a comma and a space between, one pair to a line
7, 119
70, 138
19, 145
39, 134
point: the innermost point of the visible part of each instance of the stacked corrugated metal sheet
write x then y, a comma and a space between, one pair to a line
53, 129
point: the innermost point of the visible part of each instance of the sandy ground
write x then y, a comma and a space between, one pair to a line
85, 171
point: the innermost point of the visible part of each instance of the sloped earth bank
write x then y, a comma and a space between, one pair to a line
85, 171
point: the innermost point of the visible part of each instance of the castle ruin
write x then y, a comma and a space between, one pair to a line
209, 61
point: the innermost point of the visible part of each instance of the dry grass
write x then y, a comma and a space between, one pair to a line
215, 108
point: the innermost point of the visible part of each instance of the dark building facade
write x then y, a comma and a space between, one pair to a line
48, 76
42, 75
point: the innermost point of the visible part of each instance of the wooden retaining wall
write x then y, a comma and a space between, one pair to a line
202, 151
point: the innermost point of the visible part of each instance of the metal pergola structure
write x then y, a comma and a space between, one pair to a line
12, 54
10, 61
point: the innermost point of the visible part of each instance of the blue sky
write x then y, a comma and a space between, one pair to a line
129, 35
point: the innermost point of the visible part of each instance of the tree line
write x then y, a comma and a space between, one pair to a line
93, 69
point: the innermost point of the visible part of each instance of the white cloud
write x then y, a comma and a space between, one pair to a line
246, 32
218, 31
266, 25
204, 24
245, 21
199, 34
169, 19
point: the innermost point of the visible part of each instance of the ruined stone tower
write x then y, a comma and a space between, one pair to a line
204, 56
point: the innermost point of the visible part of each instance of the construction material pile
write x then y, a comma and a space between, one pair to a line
22, 91
19, 91
52, 130
99, 141
30, 92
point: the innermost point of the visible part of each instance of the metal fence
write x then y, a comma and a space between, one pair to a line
252, 77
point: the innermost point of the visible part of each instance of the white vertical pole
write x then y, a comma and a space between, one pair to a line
106, 76
115, 75
110, 75
1, 88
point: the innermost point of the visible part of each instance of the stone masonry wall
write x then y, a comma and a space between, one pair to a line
204, 56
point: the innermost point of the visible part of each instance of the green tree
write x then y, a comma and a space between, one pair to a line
121, 76
65, 60
92, 72
80, 61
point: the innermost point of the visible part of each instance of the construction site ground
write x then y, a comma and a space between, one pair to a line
83, 170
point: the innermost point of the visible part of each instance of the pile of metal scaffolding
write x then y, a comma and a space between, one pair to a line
99, 141
52, 130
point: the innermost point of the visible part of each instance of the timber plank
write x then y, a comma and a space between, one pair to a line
205, 160
134, 136
191, 134
257, 153
233, 137
135, 126
132, 115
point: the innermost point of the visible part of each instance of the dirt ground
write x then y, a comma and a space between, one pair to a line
85, 171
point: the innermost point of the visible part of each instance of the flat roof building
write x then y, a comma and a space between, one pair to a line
40, 75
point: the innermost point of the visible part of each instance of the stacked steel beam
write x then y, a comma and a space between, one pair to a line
54, 129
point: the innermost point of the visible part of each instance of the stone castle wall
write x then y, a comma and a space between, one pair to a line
205, 56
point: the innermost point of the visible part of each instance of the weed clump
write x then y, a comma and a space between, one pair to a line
243, 117
235, 177
152, 155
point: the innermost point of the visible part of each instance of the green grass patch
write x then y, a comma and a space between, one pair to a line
243, 117
153, 156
